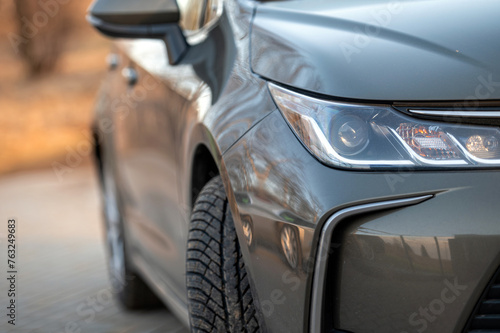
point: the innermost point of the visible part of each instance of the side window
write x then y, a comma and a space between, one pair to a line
198, 16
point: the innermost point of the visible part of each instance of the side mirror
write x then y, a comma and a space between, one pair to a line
156, 19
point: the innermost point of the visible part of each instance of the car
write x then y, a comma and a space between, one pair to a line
303, 166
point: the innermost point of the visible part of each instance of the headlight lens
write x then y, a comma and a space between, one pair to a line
369, 137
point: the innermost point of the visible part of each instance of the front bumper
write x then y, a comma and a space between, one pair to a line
393, 269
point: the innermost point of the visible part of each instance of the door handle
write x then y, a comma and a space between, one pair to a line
113, 61
130, 75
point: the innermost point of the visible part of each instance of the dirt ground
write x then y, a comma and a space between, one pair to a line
42, 119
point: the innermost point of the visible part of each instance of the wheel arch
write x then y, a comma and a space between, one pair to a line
203, 168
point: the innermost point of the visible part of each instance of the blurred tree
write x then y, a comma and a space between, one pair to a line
42, 28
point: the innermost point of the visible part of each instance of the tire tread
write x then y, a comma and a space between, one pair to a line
219, 294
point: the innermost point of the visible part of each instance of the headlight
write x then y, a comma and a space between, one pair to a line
370, 136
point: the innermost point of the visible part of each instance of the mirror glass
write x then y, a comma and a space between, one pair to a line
197, 16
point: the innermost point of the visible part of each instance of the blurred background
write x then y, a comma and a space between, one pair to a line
52, 62
51, 66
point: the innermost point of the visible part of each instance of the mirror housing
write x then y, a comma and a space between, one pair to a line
156, 19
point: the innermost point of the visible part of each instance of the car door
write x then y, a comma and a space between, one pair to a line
146, 127
149, 129
147, 106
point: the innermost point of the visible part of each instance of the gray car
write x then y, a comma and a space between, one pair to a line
303, 166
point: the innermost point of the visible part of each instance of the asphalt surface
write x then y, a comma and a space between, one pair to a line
61, 283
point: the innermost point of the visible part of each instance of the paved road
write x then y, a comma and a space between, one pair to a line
62, 283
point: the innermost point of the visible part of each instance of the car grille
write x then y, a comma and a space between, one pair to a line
486, 317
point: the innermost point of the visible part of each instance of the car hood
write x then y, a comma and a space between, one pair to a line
376, 50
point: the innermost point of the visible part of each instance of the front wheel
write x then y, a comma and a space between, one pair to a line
220, 299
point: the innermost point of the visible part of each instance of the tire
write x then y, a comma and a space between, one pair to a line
129, 288
219, 295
